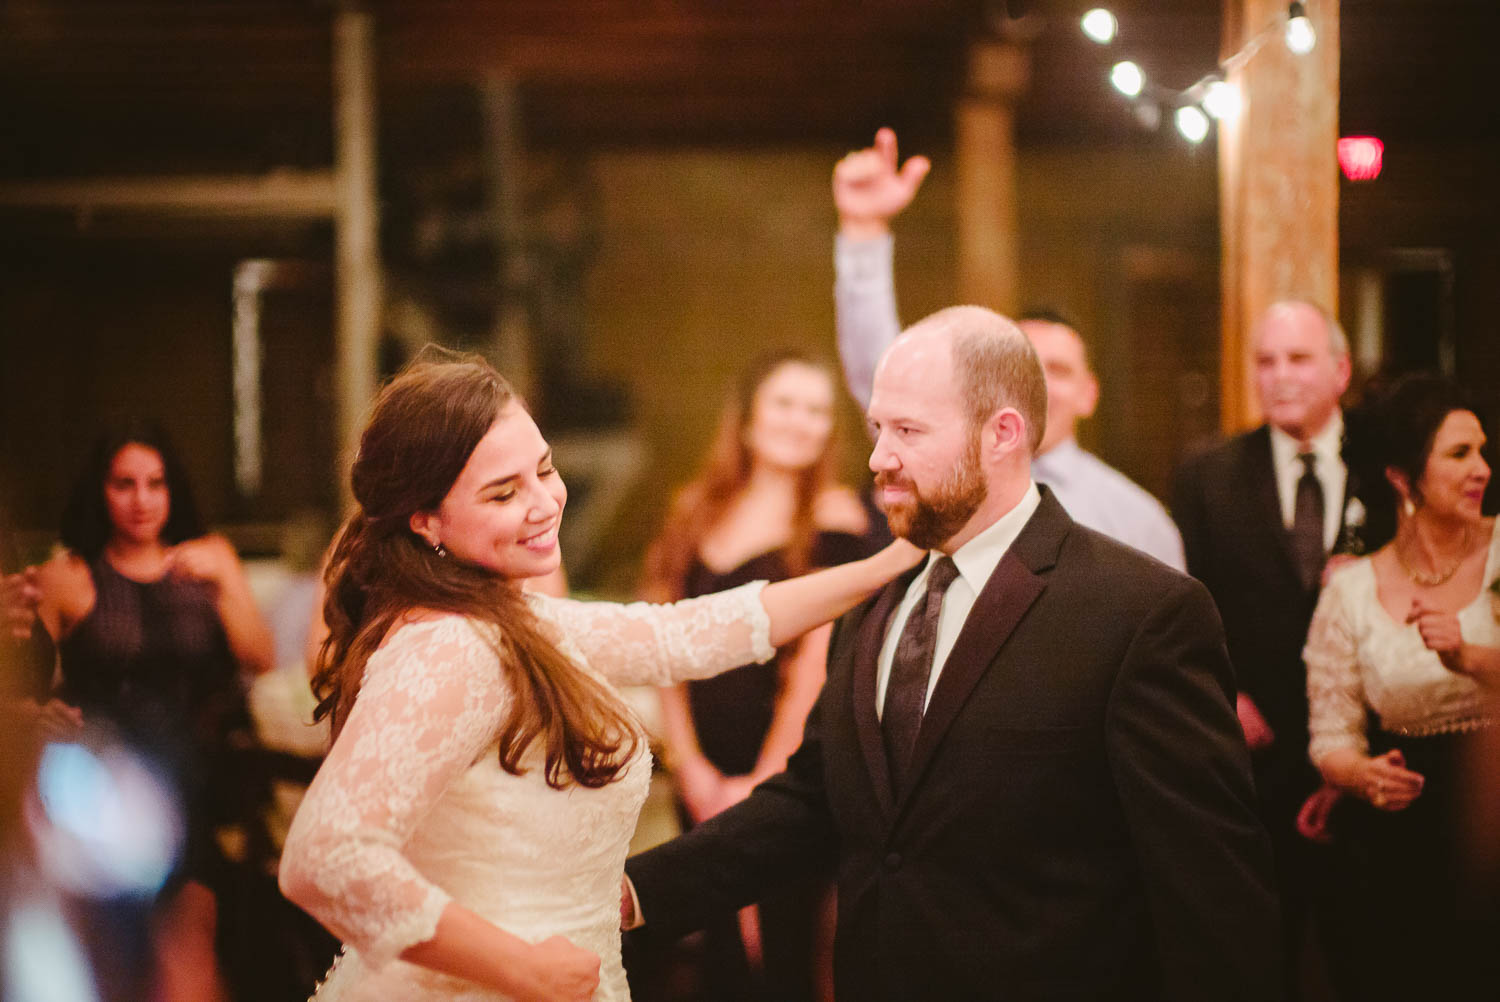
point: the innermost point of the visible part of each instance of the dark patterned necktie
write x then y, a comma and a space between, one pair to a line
911, 667
1307, 524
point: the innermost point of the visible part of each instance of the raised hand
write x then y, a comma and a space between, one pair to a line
869, 190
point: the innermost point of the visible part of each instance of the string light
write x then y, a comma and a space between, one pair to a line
1127, 78
1192, 123
1221, 99
1100, 25
1300, 36
1213, 94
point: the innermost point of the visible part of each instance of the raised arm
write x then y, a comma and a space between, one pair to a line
430, 704
645, 644
868, 191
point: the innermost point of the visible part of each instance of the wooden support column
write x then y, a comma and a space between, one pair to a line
988, 231
357, 225
1278, 184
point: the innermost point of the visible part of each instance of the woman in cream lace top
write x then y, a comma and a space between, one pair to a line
1403, 663
466, 836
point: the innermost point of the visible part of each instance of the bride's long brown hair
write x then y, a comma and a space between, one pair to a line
425, 424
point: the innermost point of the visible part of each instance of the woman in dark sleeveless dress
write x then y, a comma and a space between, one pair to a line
764, 506
154, 624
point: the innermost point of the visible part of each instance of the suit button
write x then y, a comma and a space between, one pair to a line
893, 861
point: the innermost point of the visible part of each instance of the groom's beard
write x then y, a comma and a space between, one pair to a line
929, 522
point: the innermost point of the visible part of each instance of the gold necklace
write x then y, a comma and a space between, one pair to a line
1436, 578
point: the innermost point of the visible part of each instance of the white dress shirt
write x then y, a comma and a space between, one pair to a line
1328, 466
976, 561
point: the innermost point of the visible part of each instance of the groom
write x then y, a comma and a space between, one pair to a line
1025, 766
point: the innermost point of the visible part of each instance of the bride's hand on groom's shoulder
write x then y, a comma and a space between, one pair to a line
562, 972
901, 555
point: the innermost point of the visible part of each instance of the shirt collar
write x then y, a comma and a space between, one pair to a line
1326, 444
977, 559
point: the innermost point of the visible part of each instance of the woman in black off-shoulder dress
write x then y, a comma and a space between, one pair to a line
765, 506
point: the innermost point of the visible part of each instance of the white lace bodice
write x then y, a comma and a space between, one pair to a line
411, 808
1357, 656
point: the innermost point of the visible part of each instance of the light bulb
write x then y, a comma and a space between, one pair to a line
1100, 25
1221, 99
1192, 123
1127, 78
1300, 36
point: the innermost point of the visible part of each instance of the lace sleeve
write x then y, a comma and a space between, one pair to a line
430, 704
1335, 693
644, 644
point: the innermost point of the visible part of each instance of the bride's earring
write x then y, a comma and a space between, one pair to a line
439, 549
1407, 505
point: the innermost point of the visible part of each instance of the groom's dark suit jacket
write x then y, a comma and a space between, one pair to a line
1079, 822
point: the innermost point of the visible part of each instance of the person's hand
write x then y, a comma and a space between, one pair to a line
207, 558
1258, 733
627, 904
1386, 782
1334, 563
868, 190
1312, 819
701, 787
899, 556
734, 789
20, 595
53, 720
561, 972
1440, 632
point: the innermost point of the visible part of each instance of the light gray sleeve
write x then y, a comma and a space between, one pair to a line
864, 297
1163, 541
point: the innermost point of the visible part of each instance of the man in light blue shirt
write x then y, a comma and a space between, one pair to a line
868, 192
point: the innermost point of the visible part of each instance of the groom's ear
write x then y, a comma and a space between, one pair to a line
1004, 433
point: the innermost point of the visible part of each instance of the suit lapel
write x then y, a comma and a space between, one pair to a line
1004, 600
868, 641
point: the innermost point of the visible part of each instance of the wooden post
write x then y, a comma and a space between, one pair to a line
357, 225
988, 231
1278, 184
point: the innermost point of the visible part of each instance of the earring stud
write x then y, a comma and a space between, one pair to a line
439, 549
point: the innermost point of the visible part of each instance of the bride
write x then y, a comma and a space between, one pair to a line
466, 835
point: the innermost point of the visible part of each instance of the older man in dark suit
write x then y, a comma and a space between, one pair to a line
1259, 515
1025, 766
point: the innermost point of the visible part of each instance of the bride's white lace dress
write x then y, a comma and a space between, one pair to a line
411, 808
